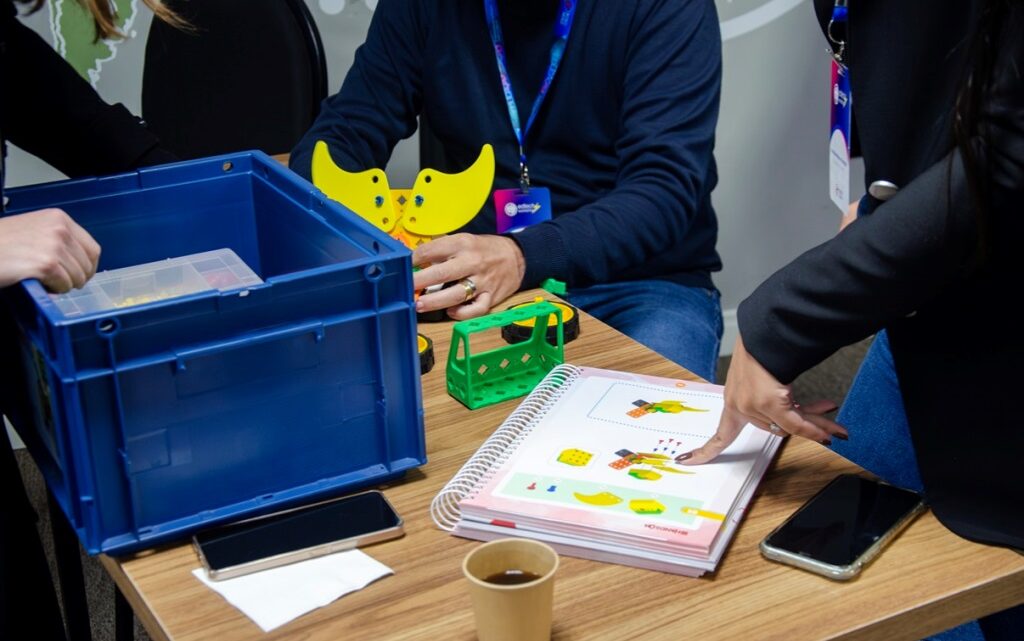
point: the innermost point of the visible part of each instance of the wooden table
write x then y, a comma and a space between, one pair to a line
927, 581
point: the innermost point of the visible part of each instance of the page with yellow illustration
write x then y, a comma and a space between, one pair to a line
588, 463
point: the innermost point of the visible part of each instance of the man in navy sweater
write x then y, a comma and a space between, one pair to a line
622, 137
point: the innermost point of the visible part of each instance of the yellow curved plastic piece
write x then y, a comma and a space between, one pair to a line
442, 203
364, 192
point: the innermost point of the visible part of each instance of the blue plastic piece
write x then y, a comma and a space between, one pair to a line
151, 422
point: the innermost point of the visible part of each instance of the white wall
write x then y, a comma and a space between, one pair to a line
772, 198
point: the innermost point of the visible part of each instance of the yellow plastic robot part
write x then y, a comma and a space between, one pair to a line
364, 192
441, 203
438, 203
567, 314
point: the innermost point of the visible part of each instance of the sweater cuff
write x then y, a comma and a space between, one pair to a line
126, 138
544, 254
764, 344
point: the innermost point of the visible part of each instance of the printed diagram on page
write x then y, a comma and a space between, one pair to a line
618, 455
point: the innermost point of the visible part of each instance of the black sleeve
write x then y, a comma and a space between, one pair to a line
670, 109
380, 98
891, 263
52, 113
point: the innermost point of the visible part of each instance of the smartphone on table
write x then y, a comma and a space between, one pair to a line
297, 534
843, 527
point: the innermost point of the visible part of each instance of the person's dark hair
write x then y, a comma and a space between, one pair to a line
987, 40
105, 17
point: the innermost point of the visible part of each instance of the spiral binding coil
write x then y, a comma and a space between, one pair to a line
482, 466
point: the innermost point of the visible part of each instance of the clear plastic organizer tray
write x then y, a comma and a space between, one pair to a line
220, 269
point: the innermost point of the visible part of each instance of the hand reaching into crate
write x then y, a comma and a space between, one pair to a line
48, 245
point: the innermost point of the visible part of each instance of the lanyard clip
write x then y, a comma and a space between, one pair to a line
839, 17
524, 172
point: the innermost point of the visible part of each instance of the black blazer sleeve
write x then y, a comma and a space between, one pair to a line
891, 263
52, 113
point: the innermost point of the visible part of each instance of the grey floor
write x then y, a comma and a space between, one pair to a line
829, 380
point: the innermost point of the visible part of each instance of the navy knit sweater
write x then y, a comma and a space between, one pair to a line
624, 139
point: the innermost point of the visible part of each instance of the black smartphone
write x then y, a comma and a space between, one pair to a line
297, 534
843, 527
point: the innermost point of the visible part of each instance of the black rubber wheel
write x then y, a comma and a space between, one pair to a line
426, 349
517, 333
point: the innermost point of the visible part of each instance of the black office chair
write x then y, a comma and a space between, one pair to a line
250, 75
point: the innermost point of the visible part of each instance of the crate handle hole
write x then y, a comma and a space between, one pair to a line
228, 165
373, 272
107, 326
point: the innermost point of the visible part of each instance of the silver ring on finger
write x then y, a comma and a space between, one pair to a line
775, 429
470, 287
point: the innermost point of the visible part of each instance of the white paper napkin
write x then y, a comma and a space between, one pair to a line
274, 597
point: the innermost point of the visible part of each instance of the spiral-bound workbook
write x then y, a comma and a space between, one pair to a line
588, 464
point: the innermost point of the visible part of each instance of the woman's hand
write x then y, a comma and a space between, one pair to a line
48, 245
753, 395
493, 265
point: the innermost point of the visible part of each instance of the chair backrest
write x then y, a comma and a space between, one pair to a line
251, 75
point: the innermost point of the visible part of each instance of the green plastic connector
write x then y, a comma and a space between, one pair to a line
555, 287
511, 371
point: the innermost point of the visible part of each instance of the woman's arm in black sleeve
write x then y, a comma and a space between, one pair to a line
893, 262
52, 113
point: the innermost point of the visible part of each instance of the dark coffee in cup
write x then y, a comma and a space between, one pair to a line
511, 577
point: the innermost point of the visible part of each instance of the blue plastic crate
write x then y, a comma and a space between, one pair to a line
150, 422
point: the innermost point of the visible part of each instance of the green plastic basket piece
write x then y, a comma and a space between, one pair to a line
511, 371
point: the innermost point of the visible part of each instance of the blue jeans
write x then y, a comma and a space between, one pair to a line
683, 324
873, 413
880, 442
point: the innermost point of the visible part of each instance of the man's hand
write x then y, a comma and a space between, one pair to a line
47, 245
753, 395
494, 264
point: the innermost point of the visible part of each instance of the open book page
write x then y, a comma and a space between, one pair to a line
601, 464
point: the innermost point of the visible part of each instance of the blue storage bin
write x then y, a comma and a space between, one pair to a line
153, 421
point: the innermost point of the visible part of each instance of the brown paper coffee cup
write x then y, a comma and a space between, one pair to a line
512, 612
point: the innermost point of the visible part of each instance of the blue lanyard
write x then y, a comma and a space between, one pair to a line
562, 28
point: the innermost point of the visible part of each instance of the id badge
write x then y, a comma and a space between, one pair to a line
517, 210
839, 141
